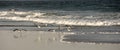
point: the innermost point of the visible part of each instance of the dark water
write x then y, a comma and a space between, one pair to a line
96, 5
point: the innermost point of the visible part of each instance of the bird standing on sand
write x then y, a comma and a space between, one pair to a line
38, 26
52, 30
68, 27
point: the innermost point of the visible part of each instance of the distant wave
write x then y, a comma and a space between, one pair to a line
60, 18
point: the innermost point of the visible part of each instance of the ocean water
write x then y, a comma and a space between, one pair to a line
89, 18
97, 5
63, 12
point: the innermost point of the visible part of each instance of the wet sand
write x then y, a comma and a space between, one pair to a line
37, 40
21, 35
94, 38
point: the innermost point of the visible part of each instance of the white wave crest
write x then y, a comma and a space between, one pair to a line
65, 20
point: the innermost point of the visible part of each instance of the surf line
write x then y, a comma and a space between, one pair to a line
65, 21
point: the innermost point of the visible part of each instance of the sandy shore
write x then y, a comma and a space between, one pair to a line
21, 35
36, 40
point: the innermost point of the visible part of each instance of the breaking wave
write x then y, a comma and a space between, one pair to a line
80, 18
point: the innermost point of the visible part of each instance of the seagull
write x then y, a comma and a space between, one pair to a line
46, 24
15, 30
68, 27
52, 30
19, 30
38, 26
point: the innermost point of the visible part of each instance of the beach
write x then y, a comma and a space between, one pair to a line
60, 25
36, 40
23, 35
